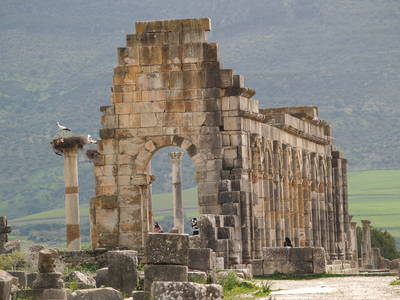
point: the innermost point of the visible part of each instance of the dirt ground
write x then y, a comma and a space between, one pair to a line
370, 288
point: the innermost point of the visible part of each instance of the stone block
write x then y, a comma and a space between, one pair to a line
276, 254
122, 270
219, 263
231, 221
97, 294
30, 278
210, 52
164, 273
54, 294
229, 197
162, 248
201, 259
6, 282
47, 258
230, 209
101, 277
257, 266
50, 280
197, 276
21, 275
301, 254
319, 260
83, 281
140, 295
186, 290
225, 233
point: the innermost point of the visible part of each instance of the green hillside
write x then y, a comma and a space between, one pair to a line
56, 61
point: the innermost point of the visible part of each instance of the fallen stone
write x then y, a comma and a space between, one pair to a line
48, 281
47, 260
167, 248
30, 278
12, 246
197, 276
201, 259
54, 294
6, 282
257, 267
101, 277
139, 295
164, 273
97, 294
168, 290
21, 275
82, 280
122, 270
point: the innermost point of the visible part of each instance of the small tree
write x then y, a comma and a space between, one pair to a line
380, 239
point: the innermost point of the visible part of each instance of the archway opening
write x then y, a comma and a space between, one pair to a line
162, 189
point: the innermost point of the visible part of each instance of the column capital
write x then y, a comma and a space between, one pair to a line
176, 155
366, 222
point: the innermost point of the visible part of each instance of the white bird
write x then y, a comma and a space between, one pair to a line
62, 127
90, 140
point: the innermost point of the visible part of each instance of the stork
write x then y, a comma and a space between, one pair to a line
62, 127
90, 140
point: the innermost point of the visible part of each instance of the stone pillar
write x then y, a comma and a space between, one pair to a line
176, 158
165, 263
353, 240
346, 216
338, 197
314, 200
48, 284
323, 209
4, 231
72, 198
306, 176
366, 244
286, 192
331, 211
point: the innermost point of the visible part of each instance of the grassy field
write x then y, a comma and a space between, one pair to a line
162, 206
373, 195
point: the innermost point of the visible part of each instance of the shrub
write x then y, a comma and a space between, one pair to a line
12, 261
395, 282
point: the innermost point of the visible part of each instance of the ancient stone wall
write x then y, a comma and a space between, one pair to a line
274, 171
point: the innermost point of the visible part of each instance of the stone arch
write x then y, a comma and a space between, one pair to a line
153, 144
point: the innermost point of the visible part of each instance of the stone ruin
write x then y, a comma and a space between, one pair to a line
262, 174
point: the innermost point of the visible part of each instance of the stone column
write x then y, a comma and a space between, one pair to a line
286, 192
347, 218
331, 212
366, 244
314, 199
353, 240
176, 158
338, 197
72, 198
4, 231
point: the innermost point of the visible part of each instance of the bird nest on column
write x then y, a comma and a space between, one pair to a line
60, 144
92, 154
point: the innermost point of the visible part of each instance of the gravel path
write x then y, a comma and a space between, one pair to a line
355, 287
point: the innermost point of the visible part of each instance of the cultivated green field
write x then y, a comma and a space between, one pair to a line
162, 206
373, 195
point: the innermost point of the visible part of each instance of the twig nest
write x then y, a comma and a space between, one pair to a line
63, 143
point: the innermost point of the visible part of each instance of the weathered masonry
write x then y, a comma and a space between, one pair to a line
262, 174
